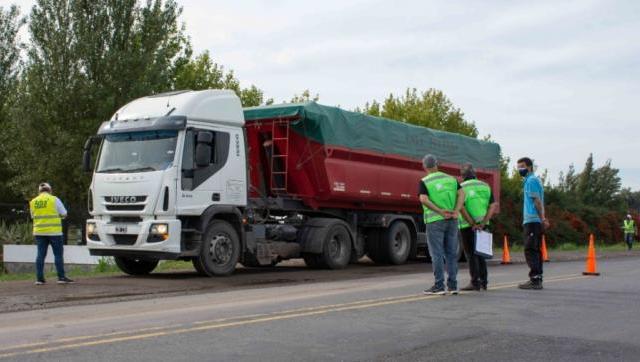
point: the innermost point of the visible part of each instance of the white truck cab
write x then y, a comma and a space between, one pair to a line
164, 162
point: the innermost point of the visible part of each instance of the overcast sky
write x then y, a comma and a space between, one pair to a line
554, 80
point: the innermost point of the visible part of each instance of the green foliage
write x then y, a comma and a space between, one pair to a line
10, 24
105, 265
16, 233
203, 73
430, 109
304, 97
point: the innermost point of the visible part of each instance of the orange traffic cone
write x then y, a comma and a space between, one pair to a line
543, 249
591, 258
506, 257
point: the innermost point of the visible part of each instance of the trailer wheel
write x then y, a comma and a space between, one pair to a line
336, 250
397, 243
374, 248
136, 266
220, 249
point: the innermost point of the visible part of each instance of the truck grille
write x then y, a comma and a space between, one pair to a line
125, 239
125, 207
126, 219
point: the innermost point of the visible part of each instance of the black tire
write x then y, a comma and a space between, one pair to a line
336, 250
313, 261
374, 248
397, 243
198, 267
219, 250
136, 266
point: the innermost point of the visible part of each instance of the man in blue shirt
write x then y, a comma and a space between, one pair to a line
534, 222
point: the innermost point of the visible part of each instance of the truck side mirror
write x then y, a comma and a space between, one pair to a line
86, 154
86, 161
203, 149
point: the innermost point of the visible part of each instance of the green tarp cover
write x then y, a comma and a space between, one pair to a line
337, 127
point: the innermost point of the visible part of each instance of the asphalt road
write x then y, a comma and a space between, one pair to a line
384, 318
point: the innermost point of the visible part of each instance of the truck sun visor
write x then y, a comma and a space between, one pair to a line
149, 124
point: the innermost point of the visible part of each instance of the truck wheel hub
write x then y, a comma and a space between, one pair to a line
220, 249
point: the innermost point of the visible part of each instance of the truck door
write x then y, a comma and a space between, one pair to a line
220, 180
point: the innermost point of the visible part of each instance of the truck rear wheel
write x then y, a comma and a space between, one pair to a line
336, 251
136, 266
220, 250
397, 243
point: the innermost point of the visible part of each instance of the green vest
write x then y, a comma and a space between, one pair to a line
629, 227
443, 192
46, 220
477, 195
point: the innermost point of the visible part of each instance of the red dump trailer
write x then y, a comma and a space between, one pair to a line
313, 169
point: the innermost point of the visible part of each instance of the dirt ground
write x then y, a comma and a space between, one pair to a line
23, 295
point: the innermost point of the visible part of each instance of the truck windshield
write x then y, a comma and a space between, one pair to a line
137, 151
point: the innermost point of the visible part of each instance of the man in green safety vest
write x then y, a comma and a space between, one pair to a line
629, 227
47, 212
479, 208
442, 198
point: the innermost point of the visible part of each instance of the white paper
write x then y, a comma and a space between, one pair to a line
484, 244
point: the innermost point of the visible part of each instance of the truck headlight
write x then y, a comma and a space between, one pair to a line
92, 231
159, 229
158, 232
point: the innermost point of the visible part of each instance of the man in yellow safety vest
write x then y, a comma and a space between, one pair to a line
47, 212
629, 227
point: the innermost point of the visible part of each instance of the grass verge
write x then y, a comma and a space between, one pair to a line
104, 268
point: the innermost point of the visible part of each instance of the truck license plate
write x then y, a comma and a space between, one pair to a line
120, 229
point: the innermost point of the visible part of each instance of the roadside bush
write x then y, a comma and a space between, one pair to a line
17, 233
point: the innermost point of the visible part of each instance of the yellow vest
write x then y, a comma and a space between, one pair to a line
46, 220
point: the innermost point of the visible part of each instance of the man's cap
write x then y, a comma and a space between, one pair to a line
628, 216
430, 161
44, 187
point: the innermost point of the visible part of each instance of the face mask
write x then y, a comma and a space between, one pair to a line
523, 172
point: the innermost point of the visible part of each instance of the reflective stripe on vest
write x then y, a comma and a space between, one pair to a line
46, 220
629, 227
443, 192
477, 195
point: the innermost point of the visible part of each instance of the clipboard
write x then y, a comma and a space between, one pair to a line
484, 244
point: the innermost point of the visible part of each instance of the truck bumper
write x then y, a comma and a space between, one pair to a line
133, 240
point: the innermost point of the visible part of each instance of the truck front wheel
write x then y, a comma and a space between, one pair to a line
336, 251
220, 250
136, 266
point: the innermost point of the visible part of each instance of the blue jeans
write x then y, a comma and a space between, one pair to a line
442, 238
629, 239
57, 246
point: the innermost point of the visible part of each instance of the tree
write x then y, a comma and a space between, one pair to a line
85, 59
430, 109
10, 24
203, 73
304, 97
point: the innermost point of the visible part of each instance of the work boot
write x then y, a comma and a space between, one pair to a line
470, 287
531, 284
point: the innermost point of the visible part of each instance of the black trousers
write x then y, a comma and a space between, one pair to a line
477, 263
532, 253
